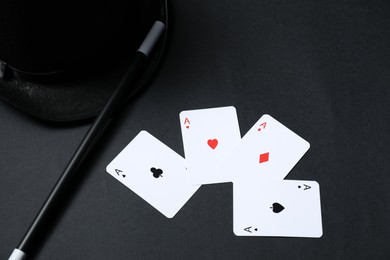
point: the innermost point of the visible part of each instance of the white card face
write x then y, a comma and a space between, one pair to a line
154, 172
267, 152
287, 208
208, 136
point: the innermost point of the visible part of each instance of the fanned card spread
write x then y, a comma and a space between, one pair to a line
264, 204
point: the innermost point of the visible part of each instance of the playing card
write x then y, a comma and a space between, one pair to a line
154, 172
208, 136
287, 208
268, 151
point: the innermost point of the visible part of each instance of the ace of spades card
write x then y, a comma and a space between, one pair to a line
288, 208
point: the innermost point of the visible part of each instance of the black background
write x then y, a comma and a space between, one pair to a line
320, 67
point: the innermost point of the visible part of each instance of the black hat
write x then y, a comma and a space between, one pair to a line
61, 60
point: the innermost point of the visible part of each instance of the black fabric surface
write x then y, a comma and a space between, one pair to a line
320, 67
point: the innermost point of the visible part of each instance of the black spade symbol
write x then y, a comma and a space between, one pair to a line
156, 172
276, 207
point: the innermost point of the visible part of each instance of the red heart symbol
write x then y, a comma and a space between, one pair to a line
212, 143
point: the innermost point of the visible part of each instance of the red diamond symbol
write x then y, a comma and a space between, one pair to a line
264, 157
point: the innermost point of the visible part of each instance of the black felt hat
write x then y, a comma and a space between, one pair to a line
61, 60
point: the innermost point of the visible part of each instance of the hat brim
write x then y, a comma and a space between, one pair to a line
83, 93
